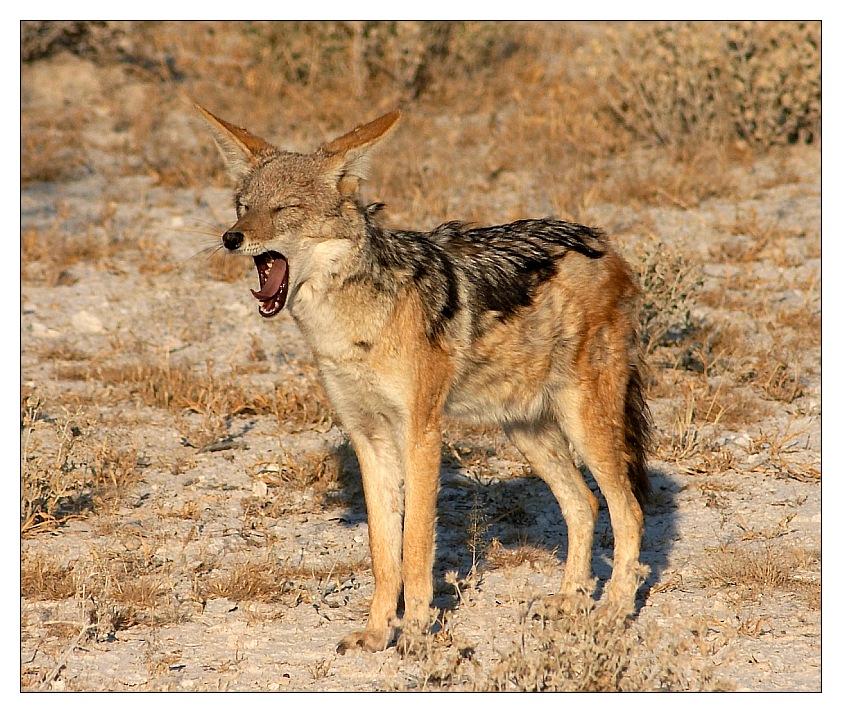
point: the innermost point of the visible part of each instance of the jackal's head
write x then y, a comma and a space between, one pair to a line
294, 211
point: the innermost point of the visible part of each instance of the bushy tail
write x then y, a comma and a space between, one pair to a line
638, 434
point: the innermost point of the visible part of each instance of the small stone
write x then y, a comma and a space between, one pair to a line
87, 323
41, 330
259, 489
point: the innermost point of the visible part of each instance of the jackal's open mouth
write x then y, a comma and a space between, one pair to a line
274, 283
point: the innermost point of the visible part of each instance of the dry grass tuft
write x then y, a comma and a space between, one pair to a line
443, 658
702, 406
298, 402
174, 387
754, 572
499, 557
251, 581
756, 238
46, 578
69, 467
225, 269
777, 380
322, 474
47, 252
684, 182
274, 582
51, 147
116, 589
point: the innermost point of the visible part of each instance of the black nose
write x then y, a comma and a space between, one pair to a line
232, 239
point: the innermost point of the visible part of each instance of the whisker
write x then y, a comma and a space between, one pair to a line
194, 231
211, 253
206, 253
208, 240
199, 226
219, 263
206, 222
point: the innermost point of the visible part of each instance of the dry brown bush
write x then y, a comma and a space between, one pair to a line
670, 283
775, 74
589, 650
687, 85
42, 38
680, 83
585, 649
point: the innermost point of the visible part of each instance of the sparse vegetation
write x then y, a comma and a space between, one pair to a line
275, 582
669, 283
176, 452
587, 650
67, 469
754, 572
681, 83
584, 649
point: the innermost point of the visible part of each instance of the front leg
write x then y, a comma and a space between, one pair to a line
423, 462
381, 475
399, 554
399, 448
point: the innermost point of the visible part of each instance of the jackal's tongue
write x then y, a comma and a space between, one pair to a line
272, 273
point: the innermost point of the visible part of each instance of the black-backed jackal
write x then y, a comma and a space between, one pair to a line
531, 325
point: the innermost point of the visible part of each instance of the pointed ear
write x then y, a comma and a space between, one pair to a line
239, 148
349, 153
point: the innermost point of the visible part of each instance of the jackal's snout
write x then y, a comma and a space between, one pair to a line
232, 239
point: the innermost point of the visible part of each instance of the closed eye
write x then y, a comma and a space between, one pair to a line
278, 209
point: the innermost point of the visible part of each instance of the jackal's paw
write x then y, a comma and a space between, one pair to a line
617, 604
621, 591
368, 640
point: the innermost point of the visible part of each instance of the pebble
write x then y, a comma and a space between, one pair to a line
86, 322
41, 330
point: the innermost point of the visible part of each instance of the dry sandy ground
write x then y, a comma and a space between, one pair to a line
198, 513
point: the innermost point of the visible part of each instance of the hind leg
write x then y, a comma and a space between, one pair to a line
546, 448
596, 426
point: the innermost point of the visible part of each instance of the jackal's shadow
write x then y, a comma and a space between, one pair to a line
510, 513
507, 513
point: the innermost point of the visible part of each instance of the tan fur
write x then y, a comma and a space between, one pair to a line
558, 372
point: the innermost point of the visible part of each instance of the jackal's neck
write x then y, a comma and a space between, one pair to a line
397, 259
383, 251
